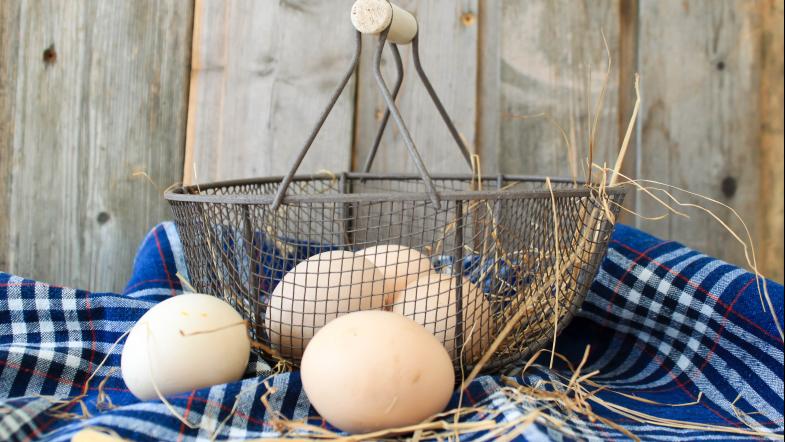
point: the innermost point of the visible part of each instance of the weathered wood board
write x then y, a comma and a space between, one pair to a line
772, 185
261, 74
553, 68
700, 120
96, 92
9, 47
448, 34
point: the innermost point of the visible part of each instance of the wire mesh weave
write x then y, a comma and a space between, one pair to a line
489, 250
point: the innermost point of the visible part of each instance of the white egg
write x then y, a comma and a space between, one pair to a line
186, 342
373, 370
317, 291
400, 265
431, 302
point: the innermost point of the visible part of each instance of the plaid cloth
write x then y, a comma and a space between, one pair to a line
664, 322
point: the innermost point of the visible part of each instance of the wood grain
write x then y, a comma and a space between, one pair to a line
770, 204
700, 119
489, 82
554, 62
100, 93
9, 48
448, 49
627, 67
261, 73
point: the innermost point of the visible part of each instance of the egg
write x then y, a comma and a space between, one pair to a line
431, 300
317, 291
374, 370
400, 265
185, 342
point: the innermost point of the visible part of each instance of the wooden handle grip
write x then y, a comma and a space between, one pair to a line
374, 16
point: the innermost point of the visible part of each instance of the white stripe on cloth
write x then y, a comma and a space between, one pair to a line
212, 410
17, 330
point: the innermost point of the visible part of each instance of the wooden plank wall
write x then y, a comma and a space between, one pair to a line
90, 93
512, 74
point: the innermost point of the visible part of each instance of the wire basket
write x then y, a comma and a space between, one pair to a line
292, 253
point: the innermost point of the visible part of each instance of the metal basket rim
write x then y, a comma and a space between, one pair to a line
185, 193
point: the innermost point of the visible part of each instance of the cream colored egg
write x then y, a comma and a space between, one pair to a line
373, 370
431, 302
400, 265
186, 342
317, 291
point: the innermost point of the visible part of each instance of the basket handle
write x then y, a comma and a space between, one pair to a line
373, 17
369, 16
376, 16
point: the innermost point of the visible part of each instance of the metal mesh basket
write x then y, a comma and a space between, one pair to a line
483, 248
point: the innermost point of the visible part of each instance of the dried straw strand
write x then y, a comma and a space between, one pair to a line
558, 275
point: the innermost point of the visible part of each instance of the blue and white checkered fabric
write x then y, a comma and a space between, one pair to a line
665, 323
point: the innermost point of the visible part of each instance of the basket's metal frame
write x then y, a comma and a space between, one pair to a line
392, 110
195, 193
205, 199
